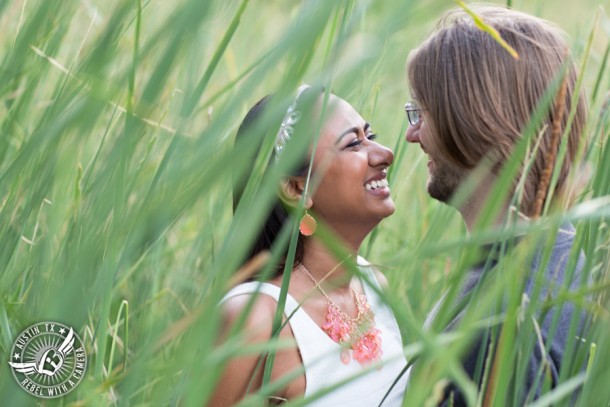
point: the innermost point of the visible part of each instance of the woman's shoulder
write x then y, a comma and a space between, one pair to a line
374, 272
260, 312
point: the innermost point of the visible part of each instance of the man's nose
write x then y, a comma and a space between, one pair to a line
413, 134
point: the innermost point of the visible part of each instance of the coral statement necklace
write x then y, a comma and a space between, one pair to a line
357, 334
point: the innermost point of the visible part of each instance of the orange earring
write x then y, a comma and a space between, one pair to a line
308, 225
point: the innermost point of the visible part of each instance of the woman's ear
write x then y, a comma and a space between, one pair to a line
291, 192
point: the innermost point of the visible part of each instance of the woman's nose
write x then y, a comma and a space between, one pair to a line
381, 155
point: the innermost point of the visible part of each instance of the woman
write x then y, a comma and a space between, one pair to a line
342, 328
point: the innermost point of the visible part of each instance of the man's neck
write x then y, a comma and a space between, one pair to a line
473, 208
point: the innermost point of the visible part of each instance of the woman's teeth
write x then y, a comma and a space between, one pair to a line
376, 184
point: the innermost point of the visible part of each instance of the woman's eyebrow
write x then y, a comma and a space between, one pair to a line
352, 130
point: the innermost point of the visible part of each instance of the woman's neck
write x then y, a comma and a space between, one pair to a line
324, 265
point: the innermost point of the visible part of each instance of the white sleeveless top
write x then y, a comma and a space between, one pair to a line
321, 355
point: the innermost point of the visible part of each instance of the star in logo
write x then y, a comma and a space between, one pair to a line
62, 330
16, 356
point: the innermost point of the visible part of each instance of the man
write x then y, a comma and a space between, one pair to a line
473, 101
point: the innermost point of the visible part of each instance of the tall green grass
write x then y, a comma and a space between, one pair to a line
116, 161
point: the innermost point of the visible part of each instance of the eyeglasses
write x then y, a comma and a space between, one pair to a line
413, 113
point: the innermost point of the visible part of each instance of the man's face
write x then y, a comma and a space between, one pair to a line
444, 178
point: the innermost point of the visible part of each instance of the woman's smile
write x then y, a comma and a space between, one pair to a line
378, 185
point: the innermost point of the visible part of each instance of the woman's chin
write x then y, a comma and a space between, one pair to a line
381, 215
389, 209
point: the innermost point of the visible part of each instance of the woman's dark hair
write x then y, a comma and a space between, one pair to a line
278, 214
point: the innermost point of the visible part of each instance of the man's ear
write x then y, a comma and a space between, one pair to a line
291, 192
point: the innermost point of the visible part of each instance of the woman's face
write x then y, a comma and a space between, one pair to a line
353, 189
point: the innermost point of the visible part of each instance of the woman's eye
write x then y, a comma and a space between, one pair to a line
357, 142
354, 143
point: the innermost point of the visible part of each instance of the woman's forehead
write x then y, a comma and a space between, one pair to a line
340, 113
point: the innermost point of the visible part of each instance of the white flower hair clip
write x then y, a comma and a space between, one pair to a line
291, 118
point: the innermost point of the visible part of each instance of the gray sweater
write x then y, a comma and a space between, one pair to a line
555, 340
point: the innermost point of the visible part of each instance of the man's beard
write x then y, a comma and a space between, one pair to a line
444, 180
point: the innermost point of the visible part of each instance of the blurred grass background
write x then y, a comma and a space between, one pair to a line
118, 119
